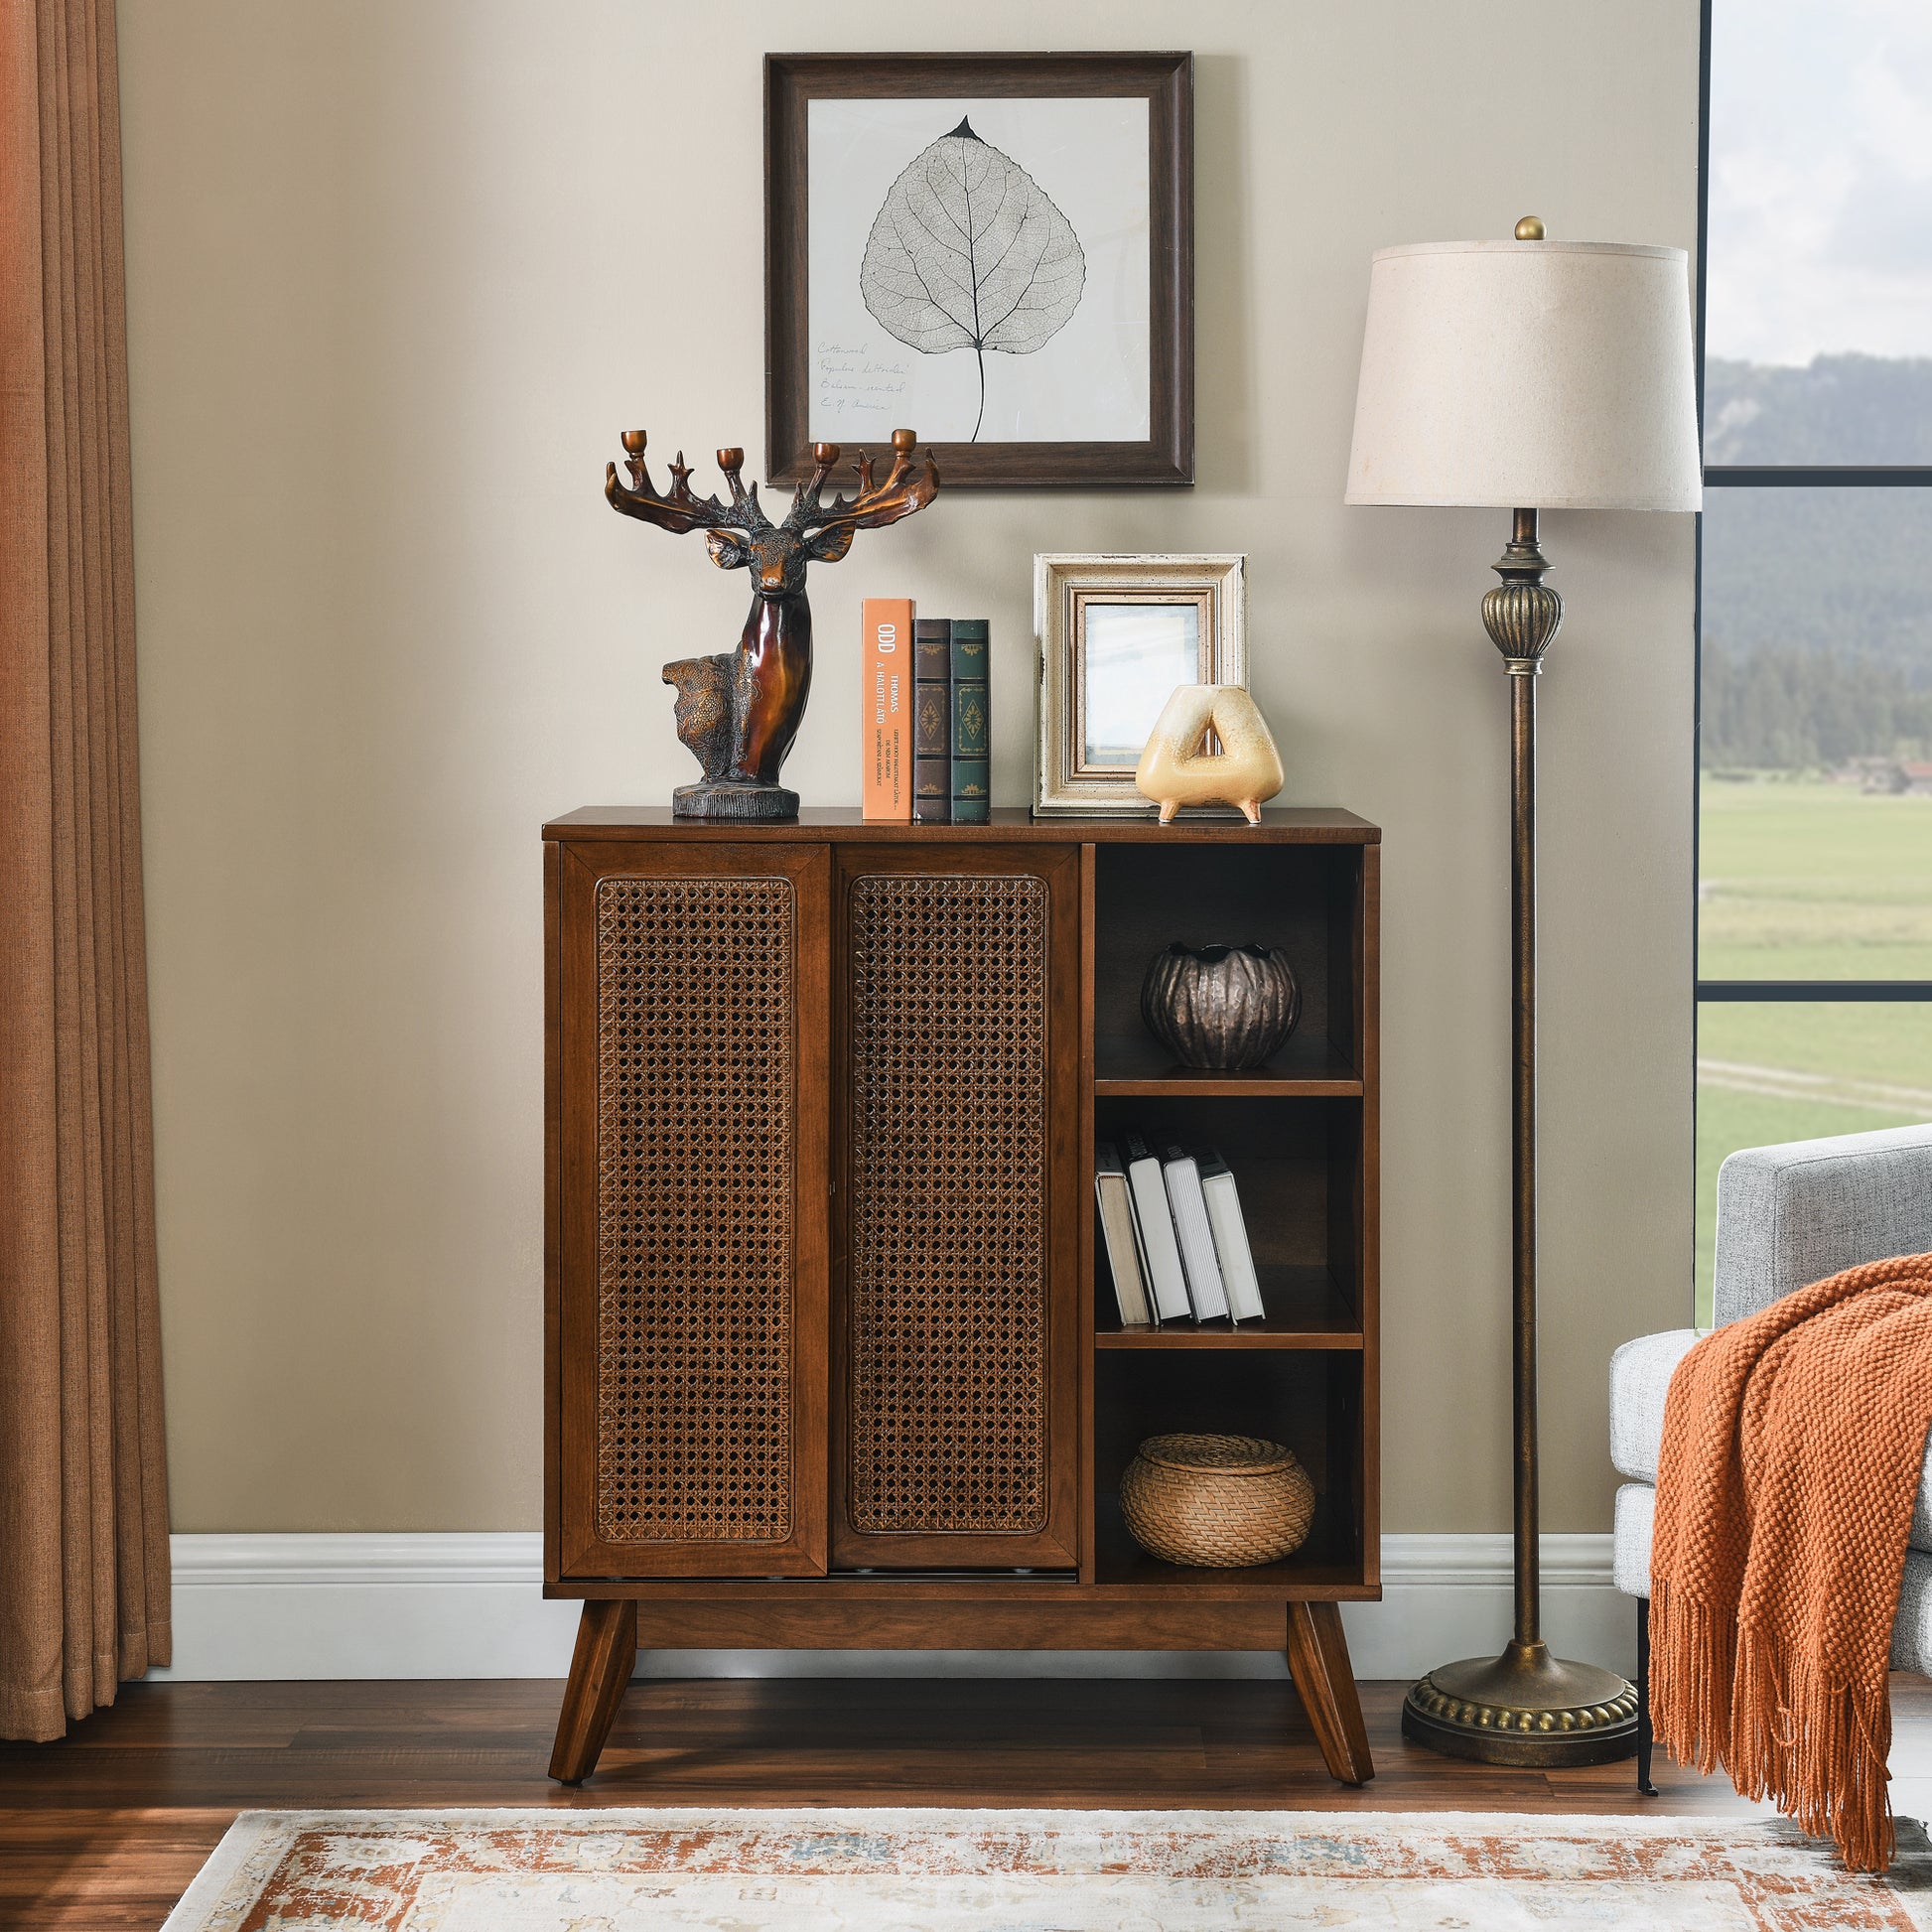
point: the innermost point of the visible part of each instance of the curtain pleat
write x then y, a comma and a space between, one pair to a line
83, 1522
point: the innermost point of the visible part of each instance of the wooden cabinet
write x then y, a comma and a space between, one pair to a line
831, 1359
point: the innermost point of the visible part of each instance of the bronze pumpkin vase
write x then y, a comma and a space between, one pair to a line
1220, 1008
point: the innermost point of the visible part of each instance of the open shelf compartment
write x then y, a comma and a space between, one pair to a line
1296, 1163
1299, 898
1311, 1402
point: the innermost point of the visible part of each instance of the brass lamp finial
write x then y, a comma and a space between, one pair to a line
1530, 228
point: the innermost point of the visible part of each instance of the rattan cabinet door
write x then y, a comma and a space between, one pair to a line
689, 1214
956, 979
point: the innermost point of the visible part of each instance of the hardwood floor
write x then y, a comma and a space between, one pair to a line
104, 1830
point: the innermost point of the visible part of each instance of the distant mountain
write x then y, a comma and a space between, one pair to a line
1845, 571
1837, 409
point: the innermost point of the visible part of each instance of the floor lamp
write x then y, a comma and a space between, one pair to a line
1526, 375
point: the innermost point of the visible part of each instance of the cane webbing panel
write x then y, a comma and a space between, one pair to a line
696, 1122
947, 1303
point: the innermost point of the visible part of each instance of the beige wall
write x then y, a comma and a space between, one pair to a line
399, 271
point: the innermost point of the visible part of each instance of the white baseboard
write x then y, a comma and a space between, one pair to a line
468, 1605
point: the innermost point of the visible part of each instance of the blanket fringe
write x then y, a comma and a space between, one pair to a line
1815, 1749
1691, 1649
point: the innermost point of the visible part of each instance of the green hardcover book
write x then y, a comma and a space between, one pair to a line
972, 725
931, 721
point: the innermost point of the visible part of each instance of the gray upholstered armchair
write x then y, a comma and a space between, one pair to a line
1786, 1216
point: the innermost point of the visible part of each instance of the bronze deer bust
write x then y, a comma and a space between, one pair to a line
739, 712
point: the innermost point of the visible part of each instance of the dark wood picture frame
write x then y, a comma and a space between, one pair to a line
1165, 81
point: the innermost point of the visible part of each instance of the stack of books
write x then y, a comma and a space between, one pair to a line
933, 728
1176, 1238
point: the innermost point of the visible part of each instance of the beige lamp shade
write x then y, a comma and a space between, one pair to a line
1527, 375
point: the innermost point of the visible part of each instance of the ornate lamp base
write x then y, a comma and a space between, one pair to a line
1524, 1707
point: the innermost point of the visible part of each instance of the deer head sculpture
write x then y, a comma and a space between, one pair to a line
738, 712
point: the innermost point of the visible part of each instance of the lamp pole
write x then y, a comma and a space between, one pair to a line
1522, 616
1524, 1707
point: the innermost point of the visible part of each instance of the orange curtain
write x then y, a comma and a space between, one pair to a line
84, 1500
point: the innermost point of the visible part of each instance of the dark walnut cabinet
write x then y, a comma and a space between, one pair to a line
831, 1358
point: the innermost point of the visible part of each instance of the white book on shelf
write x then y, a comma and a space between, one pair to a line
1121, 1237
1156, 1221
1194, 1235
1231, 1248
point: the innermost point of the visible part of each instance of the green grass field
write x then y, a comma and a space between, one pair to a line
1807, 881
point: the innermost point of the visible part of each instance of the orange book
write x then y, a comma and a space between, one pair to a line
885, 718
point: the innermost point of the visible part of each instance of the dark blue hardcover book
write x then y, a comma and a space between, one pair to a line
972, 725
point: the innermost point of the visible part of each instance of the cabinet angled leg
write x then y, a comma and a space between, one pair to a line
1317, 1659
600, 1669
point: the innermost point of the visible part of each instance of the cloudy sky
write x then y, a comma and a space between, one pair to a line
1821, 179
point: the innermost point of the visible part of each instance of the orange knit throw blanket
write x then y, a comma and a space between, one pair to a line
1792, 1447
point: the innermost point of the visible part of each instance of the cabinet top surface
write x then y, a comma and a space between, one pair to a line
1283, 825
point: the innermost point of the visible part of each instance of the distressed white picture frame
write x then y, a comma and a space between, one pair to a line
1062, 787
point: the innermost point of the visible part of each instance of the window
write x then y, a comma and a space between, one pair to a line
1815, 606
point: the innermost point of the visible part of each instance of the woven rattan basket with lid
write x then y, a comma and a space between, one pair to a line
1220, 1502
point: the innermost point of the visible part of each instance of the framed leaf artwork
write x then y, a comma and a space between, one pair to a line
993, 250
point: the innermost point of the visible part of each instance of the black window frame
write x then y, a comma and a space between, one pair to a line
1738, 476
1705, 991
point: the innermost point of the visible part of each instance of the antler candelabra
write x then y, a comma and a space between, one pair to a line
738, 712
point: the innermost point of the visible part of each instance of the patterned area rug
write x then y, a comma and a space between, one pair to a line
1043, 1872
